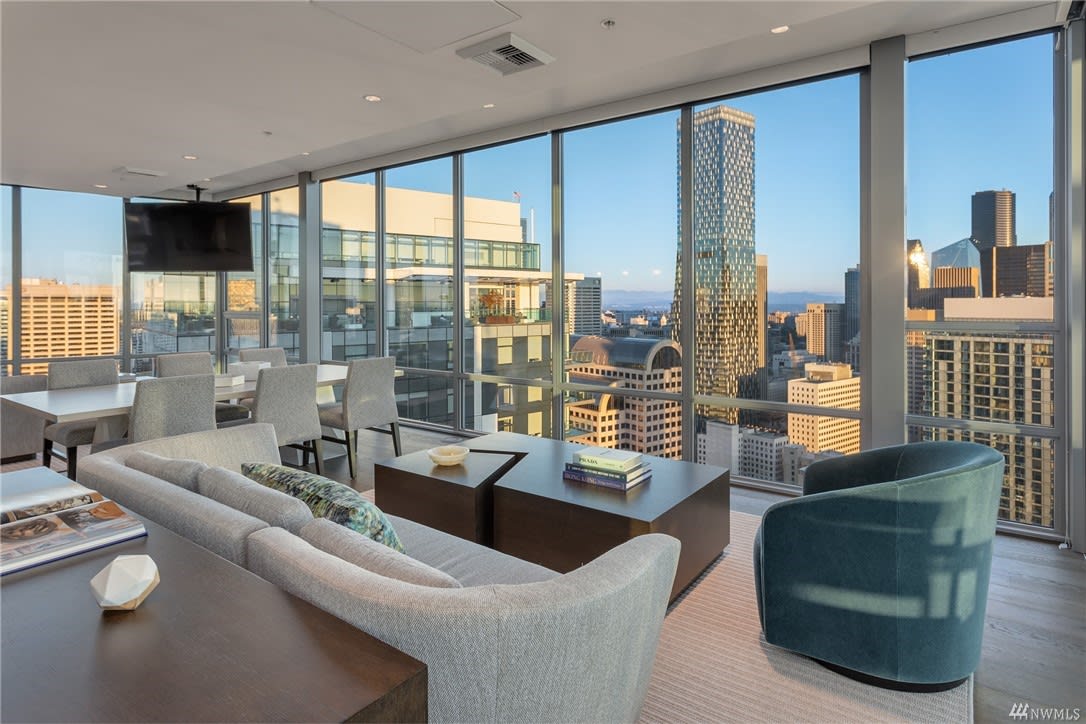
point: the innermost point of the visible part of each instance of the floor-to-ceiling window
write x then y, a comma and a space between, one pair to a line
418, 287
776, 307
283, 271
507, 287
983, 287
6, 258
71, 276
349, 316
620, 234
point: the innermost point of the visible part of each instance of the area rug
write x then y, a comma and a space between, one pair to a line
713, 664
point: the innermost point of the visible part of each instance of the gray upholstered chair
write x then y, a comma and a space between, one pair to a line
66, 375
369, 399
169, 406
286, 397
276, 355
20, 431
880, 571
199, 363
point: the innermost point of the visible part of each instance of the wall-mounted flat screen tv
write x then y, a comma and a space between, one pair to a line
201, 236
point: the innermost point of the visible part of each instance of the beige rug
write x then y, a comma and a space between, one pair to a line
714, 666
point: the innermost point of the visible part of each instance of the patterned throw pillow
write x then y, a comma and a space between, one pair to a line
327, 499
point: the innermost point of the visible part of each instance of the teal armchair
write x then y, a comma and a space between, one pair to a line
880, 570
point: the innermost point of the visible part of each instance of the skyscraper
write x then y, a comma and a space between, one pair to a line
726, 305
587, 306
919, 271
824, 323
851, 325
64, 320
962, 253
994, 219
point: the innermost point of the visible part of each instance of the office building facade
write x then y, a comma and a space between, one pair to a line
825, 385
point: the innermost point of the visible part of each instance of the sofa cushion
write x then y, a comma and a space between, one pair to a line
367, 553
327, 499
468, 562
177, 471
241, 493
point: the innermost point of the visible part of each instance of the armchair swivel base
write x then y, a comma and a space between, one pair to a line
871, 680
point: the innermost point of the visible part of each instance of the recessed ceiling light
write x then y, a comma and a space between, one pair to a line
305, 153
100, 186
779, 29
607, 23
206, 179
189, 157
488, 105
373, 98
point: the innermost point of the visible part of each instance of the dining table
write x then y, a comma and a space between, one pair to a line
109, 405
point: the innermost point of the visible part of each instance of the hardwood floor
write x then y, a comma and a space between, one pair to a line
1035, 640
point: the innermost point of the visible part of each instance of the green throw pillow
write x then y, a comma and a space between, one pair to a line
327, 499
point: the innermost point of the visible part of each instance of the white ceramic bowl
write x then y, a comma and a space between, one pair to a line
448, 454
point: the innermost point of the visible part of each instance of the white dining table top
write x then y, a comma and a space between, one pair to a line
91, 403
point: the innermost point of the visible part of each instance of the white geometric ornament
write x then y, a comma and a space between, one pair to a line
124, 583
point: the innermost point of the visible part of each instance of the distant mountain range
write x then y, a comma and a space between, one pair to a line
778, 301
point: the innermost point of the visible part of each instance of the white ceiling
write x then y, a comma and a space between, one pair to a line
89, 87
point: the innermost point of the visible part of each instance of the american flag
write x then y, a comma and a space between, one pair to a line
516, 195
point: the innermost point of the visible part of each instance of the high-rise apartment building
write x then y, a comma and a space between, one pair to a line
993, 219
824, 322
851, 324
748, 452
627, 364
1000, 377
64, 320
825, 385
587, 309
726, 315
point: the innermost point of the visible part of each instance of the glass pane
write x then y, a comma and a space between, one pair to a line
171, 312
424, 397
496, 407
71, 287
245, 291
1028, 494
772, 320
781, 445
5, 277
980, 223
507, 261
283, 273
349, 269
418, 288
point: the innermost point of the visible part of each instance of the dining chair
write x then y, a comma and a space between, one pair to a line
276, 355
369, 399
199, 363
286, 397
68, 375
167, 406
20, 431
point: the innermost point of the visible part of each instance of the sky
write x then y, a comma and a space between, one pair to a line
976, 120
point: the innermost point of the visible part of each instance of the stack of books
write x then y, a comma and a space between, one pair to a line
618, 469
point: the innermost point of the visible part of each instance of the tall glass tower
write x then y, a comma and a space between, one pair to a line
726, 306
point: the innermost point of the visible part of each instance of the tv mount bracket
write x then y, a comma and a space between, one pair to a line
195, 188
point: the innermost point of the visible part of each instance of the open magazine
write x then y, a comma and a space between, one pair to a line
74, 520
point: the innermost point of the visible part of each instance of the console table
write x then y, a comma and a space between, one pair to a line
213, 642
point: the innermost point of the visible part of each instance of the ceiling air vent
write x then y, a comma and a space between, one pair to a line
506, 53
132, 170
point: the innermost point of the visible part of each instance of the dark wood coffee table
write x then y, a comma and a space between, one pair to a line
456, 499
560, 524
212, 643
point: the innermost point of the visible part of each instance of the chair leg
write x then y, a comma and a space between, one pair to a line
352, 451
396, 438
47, 452
71, 462
305, 455
317, 456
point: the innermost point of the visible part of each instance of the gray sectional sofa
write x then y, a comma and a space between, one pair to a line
503, 639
